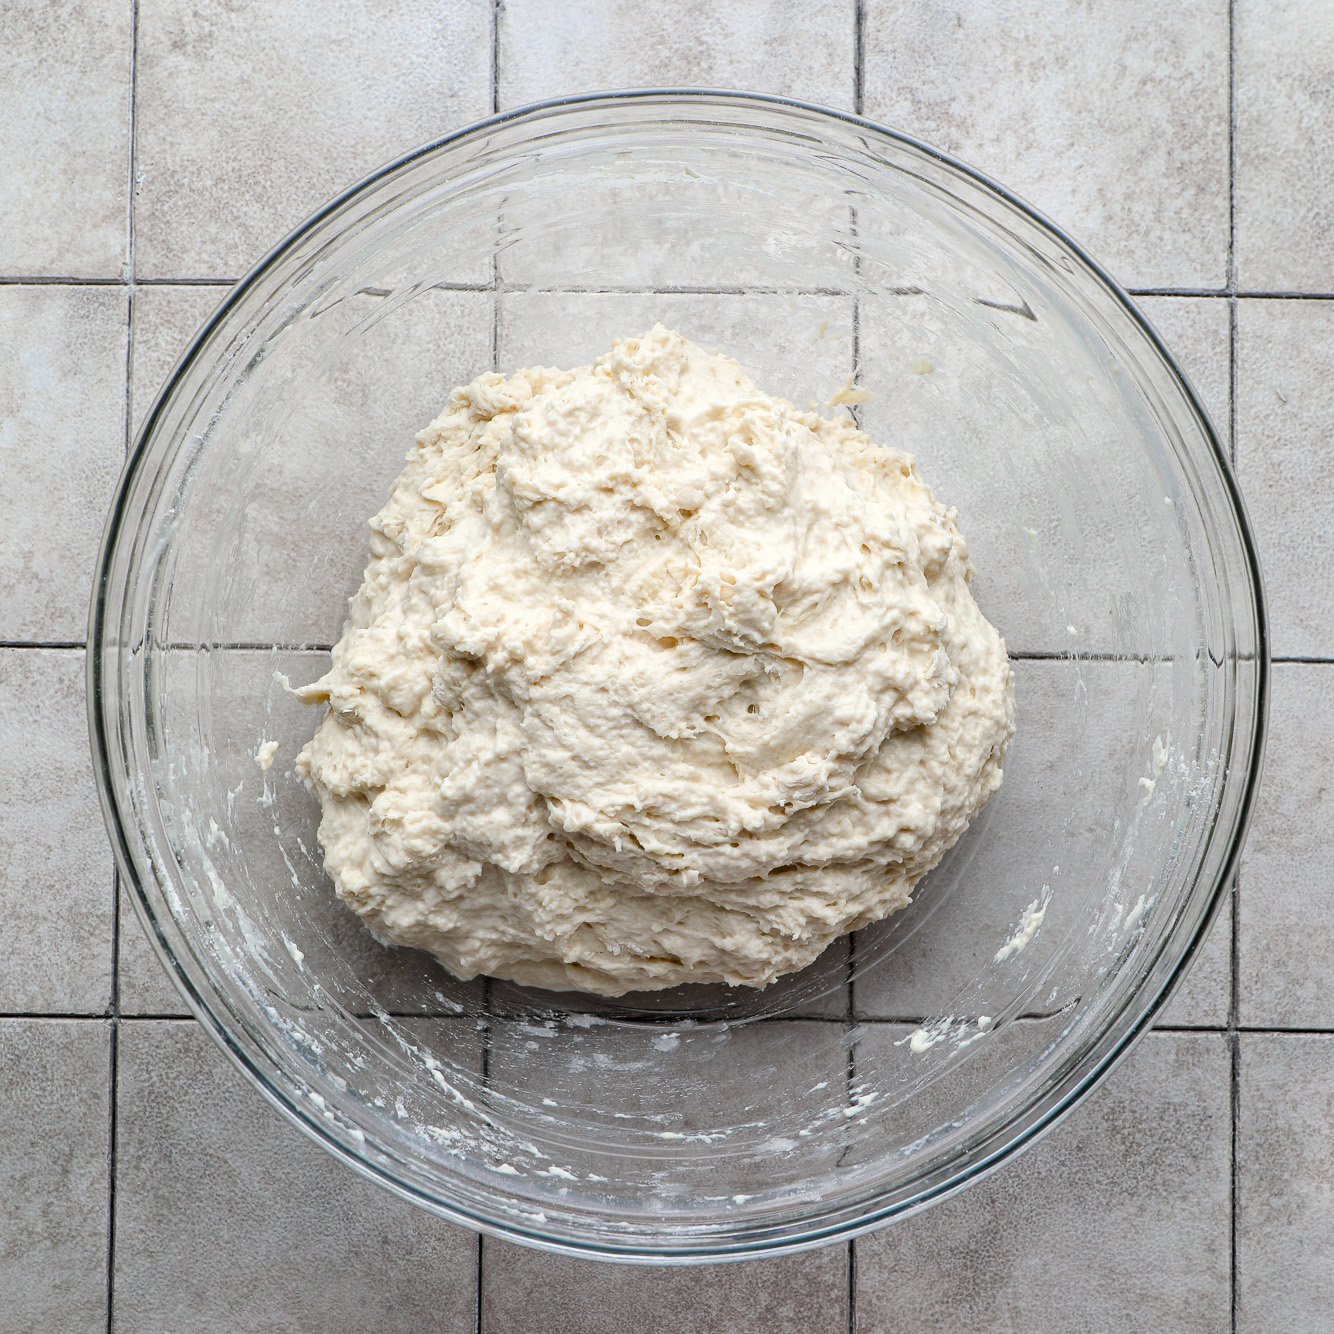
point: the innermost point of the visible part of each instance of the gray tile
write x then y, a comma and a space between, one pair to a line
57, 888
1204, 996
164, 319
1285, 156
1112, 120
65, 138
61, 433
524, 1292
1285, 1184
1195, 330
779, 46
53, 1173
248, 120
1286, 975
228, 1219
1285, 463
1118, 1219
144, 985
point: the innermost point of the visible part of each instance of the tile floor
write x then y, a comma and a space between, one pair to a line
151, 149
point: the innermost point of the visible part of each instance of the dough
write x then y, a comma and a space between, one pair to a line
652, 679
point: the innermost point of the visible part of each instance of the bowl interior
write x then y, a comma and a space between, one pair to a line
1109, 554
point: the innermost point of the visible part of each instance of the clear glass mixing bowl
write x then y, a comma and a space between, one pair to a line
1112, 553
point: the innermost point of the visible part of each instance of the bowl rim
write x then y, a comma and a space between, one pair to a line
1010, 1138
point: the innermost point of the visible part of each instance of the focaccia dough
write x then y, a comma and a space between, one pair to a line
653, 678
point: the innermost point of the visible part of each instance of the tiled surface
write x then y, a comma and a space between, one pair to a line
1196, 332
527, 1293
1285, 153
57, 886
772, 46
1116, 120
1285, 460
143, 985
1111, 119
1285, 1208
1203, 998
163, 321
1117, 1220
228, 1219
247, 119
65, 141
1286, 970
53, 1173
62, 406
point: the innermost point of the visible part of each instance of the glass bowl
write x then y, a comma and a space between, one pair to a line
1112, 553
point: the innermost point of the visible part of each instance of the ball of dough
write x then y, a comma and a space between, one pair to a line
653, 678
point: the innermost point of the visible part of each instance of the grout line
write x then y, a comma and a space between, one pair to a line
852, 1285
1193, 292
682, 289
850, 1020
131, 297
53, 1016
1252, 295
243, 646
1286, 1032
36, 280
1022, 655
481, 1239
859, 58
849, 1028
1232, 148
477, 1282
1232, 380
257, 646
115, 949
480, 1259
486, 1083
444, 285
40, 280
127, 424
114, 1057
479, 1268
670, 1019
156, 1018
185, 282
645, 1021
495, 56
1229, 292
1234, 958
1073, 655
1234, 1043
42, 643
1232, 240
679, 289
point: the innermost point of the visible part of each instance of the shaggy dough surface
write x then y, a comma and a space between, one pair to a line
653, 678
